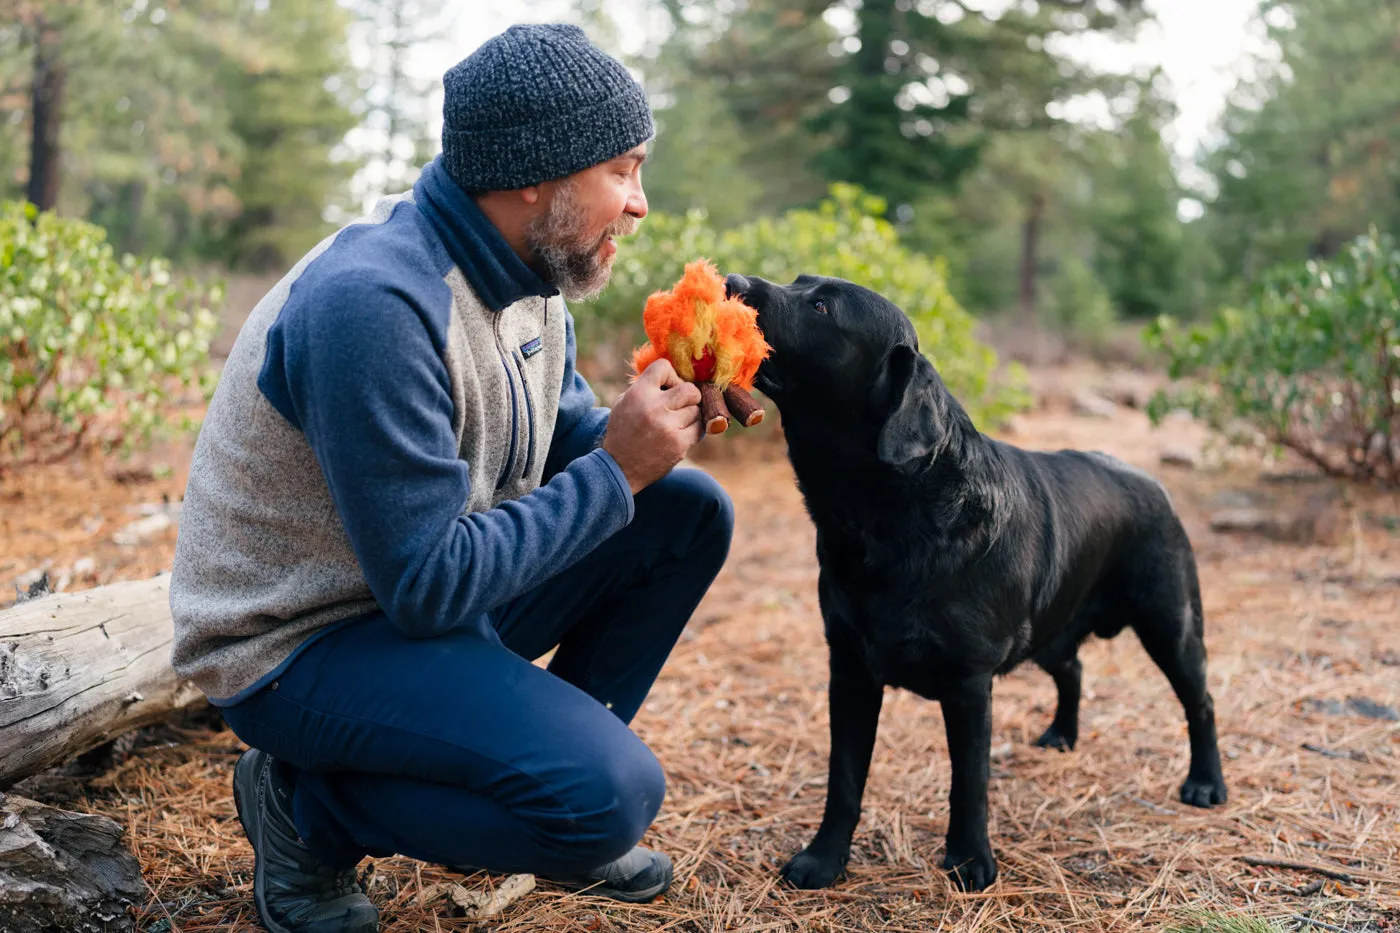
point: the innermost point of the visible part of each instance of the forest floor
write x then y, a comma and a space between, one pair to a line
1302, 627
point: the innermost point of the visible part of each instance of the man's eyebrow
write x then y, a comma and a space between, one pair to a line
637, 157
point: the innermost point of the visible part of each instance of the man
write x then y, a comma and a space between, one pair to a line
403, 494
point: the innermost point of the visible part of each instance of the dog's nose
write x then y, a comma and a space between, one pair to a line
735, 285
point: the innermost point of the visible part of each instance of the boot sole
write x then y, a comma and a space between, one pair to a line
632, 897
627, 897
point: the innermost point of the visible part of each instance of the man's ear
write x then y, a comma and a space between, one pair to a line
907, 405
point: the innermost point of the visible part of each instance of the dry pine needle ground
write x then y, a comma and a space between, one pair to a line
1090, 840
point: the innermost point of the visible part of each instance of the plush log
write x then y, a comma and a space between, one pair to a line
743, 406
712, 410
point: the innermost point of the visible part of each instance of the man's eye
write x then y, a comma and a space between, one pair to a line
820, 305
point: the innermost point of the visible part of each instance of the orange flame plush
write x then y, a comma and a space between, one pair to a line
711, 340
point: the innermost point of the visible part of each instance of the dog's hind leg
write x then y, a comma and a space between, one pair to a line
1171, 628
1060, 659
1064, 728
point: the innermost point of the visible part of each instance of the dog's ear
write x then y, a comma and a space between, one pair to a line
906, 403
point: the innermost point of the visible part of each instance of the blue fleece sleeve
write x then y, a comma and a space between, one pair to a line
580, 425
365, 380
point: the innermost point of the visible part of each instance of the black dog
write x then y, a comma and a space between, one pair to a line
947, 558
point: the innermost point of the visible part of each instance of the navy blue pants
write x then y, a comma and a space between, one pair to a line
457, 750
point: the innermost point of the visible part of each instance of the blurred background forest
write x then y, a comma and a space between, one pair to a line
1158, 228
967, 157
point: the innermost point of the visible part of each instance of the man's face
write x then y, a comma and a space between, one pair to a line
572, 239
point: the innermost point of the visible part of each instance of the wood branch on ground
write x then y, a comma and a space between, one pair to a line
1350, 875
61, 870
79, 669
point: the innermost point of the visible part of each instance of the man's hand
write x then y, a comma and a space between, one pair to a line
653, 424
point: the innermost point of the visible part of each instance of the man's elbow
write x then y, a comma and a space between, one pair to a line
413, 607
419, 609
410, 619
414, 628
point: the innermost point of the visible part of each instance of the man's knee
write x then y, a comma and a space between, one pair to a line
689, 499
613, 799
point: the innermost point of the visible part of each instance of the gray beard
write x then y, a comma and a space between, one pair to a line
564, 253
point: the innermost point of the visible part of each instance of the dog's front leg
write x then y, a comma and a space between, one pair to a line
967, 718
854, 697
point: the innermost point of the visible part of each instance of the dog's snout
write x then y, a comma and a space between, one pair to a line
735, 285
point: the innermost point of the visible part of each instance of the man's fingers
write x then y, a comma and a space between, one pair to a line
682, 418
695, 432
685, 395
660, 373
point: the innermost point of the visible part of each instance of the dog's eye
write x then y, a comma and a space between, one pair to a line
820, 305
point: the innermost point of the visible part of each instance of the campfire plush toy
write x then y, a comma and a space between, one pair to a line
711, 340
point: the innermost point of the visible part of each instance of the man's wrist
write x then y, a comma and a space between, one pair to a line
632, 483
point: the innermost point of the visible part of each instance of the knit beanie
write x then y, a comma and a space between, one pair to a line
538, 102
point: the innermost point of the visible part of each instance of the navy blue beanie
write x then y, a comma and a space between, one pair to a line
538, 102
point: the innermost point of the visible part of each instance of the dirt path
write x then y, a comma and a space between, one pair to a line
1304, 644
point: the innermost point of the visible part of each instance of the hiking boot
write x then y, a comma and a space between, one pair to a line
295, 892
637, 877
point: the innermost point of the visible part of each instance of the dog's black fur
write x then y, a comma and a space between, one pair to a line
947, 558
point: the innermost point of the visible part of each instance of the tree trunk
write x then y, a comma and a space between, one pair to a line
78, 669
47, 116
394, 107
1030, 235
64, 871
133, 201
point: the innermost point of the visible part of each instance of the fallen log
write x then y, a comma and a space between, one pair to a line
79, 669
64, 871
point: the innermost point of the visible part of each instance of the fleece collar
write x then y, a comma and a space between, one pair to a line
496, 274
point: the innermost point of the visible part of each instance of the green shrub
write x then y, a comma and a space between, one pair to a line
92, 349
1312, 363
846, 236
1078, 305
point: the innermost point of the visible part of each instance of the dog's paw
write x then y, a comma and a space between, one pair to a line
1054, 738
1204, 792
808, 870
972, 871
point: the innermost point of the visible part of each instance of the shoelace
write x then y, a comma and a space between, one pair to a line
329, 884
337, 882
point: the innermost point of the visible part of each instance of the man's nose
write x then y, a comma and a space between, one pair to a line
637, 202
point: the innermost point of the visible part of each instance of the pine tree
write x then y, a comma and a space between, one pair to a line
1312, 150
396, 137
290, 98
1139, 239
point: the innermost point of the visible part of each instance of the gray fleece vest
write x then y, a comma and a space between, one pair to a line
262, 561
